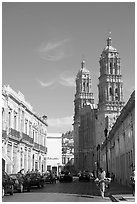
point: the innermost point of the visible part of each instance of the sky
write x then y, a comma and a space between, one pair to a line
43, 44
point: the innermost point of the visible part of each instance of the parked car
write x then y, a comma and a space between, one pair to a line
84, 176
18, 182
7, 184
65, 176
49, 177
35, 179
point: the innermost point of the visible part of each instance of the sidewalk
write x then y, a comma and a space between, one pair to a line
118, 192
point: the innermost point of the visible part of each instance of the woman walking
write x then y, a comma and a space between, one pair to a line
102, 176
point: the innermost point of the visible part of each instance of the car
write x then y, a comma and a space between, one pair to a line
7, 184
65, 176
84, 176
18, 182
49, 177
35, 179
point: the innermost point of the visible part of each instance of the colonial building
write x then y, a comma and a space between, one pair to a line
118, 150
23, 134
54, 153
68, 148
82, 97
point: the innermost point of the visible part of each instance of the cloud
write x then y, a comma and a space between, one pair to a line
67, 80
53, 51
47, 84
60, 122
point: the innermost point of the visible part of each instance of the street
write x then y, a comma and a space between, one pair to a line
60, 192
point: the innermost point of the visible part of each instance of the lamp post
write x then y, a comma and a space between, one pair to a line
106, 132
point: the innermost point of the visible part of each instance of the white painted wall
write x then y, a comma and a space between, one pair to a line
54, 149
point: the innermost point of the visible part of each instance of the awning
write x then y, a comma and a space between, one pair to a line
7, 159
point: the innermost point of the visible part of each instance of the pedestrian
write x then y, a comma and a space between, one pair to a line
112, 176
132, 180
102, 176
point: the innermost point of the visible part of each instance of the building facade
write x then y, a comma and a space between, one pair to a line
54, 153
101, 119
119, 147
87, 139
83, 96
110, 89
23, 134
67, 148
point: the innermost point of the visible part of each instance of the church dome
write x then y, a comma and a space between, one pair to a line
83, 69
109, 47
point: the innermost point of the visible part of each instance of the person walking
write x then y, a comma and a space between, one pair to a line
102, 176
132, 180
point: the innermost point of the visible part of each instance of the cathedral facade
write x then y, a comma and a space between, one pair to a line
90, 132
83, 97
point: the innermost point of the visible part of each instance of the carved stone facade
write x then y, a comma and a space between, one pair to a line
87, 138
110, 89
83, 96
103, 117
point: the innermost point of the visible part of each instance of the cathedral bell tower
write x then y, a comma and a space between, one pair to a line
83, 96
110, 81
83, 89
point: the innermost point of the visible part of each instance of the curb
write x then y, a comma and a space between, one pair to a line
113, 199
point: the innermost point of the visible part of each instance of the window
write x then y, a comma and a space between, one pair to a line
9, 119
83, 86
48, 167
30, 129
2, 118
110, 65
26, 124
15, 121
116, 92
111, 70
110, 91
33, 134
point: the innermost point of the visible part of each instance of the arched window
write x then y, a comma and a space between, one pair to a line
111, 70
83, 86
116, 94
110, 65
110, 91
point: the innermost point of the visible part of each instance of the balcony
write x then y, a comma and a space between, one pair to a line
14, 134
36, 146
42, 148
26, 138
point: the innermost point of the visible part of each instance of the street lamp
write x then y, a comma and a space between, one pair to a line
106, 132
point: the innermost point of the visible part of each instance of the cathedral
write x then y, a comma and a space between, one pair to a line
104, 114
